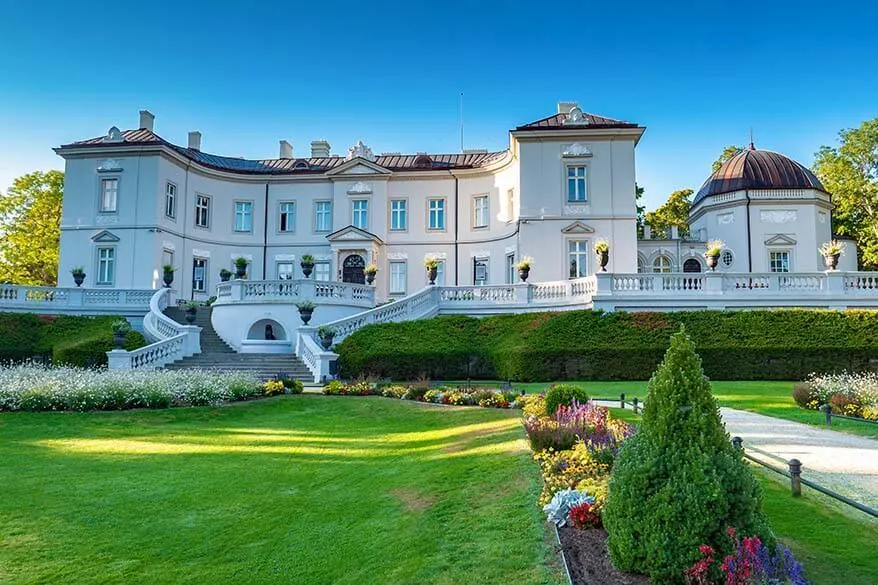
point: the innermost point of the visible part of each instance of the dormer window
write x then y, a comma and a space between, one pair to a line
422, 161
301, 165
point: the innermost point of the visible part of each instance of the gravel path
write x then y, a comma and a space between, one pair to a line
845, 463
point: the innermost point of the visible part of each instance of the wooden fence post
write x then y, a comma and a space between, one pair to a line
796, 477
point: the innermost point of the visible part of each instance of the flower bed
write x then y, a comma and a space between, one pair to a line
847, 394
39, 388
423, 392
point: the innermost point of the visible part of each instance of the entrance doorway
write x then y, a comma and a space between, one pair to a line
353, 269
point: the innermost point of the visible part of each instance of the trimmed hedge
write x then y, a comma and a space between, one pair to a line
594, 345
75, 341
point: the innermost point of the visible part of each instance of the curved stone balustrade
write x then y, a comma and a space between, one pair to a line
293, 291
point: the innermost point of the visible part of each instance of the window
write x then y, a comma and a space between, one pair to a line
480, 212
360, 214
106, 266
779, 261
440, 273
480, 271
577, 257
691, 265
109, 195
436, 214
727, 258
323, 216
398, 215
199, 274
285, 270
510, 269
510, 204
397, 278
576, 184
287, 217
243, 216
171, 200
202, 211
661, 264
321, 271
167, 257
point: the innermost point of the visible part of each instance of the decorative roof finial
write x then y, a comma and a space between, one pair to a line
752, 146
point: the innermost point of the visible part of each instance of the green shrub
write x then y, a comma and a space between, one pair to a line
593, 345
678, 482
564, 394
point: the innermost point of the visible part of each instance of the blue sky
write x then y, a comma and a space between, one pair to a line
698, 75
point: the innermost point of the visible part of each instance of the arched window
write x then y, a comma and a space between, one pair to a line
641, 264
661, 264
691, 265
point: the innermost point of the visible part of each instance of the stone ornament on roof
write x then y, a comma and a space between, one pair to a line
575, 117
113, 135
360, 150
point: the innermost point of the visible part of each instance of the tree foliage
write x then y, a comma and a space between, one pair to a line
674, 212
850, 174
641, 209
679, 483
30, 218
728, 153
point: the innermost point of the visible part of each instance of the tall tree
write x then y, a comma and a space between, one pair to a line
674, 212
850, 174
30, 218
641, 209
728, 152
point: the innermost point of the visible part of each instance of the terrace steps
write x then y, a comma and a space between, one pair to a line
216, 354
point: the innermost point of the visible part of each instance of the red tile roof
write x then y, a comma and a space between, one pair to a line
556, 122
313, 165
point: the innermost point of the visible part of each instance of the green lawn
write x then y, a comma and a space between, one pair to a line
768, 398
301, 489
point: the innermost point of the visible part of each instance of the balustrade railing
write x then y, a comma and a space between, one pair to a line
249, 291
73, 300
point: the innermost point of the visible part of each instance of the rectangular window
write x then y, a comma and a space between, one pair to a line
440, 273
779, 261
285, 270
243, 216
360, 213
397, 278
287, 218
436, 214
398, 215
167, 257
480, 212
510, 269
577, 257
510, 204
199, 274
321, 271
109, 195
170, 200
576, 184
202, 211
323, 216
106, 266
480, 271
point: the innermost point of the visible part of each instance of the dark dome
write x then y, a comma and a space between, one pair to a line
758, 169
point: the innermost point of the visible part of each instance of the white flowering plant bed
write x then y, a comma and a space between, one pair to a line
40, 388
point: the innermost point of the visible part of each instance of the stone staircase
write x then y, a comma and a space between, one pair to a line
216, 354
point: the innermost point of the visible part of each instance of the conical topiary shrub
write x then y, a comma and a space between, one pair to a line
679, 483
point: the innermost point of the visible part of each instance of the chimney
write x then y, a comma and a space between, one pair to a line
286, 149
319, 148
647, 232
675, 232
147, 120
565, 107
195, 140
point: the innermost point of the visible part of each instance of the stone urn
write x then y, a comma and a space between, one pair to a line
831, 261
168, 278
190, 314
603, 259
240, 272
307, 268
306, 313
79, 278
225, 275
431, 274
370, 277
119, 339
712, 260
523, 274
326, 340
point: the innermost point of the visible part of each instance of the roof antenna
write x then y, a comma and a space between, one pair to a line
752, 146
461, 121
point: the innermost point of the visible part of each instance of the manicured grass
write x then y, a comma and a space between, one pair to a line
768, 398
835, 545
299, 489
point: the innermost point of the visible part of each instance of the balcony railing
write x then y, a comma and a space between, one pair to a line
52, 300
293, 291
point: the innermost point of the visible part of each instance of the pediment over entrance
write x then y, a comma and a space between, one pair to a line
105, 236
780, 240
353, 234
577, 227
358, 166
